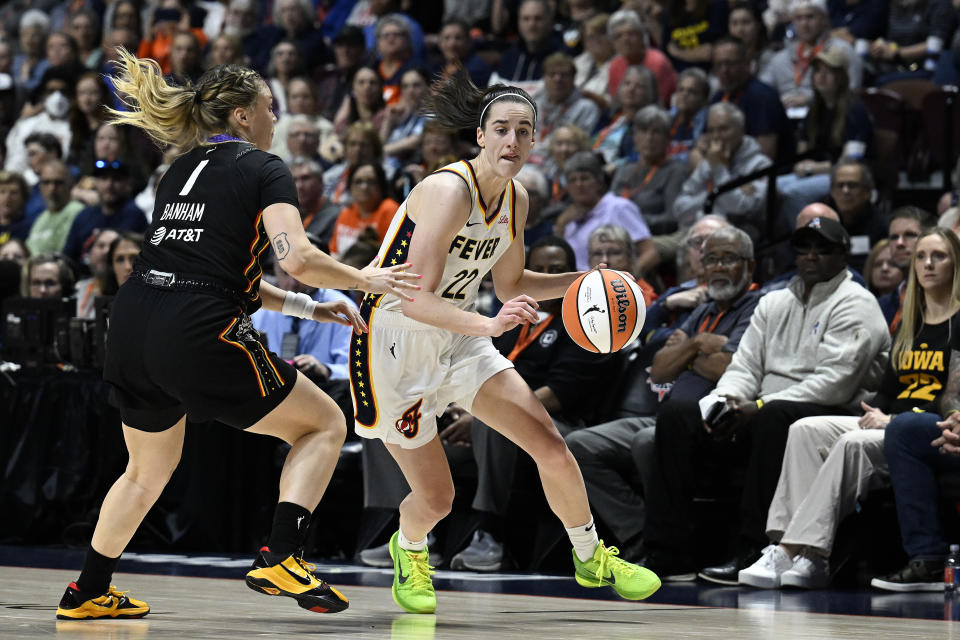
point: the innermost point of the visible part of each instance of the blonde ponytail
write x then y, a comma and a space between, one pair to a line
181, 116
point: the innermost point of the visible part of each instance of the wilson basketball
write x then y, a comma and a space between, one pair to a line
604, 310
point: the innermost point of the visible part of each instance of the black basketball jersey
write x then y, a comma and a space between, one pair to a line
207, 220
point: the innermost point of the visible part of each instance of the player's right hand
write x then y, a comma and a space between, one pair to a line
395, 279
519, 310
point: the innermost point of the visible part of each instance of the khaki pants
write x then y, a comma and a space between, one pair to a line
828, 464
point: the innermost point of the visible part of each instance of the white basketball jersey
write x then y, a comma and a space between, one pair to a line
478, 245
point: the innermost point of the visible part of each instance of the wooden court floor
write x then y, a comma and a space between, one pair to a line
190, 607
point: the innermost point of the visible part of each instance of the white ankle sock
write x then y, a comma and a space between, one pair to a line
584, 539
411, 545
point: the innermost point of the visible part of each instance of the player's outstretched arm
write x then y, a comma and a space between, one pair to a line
340, 311
309, 265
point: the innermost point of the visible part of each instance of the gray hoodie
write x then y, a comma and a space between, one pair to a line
831, 350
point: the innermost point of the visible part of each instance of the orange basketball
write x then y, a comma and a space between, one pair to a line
604, 310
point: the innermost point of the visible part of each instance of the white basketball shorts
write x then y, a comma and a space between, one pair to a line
404, 373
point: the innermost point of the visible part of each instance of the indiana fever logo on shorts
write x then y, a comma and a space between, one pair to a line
409, 423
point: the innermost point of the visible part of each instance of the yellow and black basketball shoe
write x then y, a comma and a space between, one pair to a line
112, 604
294, 578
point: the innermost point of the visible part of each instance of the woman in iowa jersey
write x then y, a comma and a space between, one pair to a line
181, 342
459, 223
815, 491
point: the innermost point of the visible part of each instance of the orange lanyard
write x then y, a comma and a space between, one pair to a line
716, 321
735, 98
547, 127
341, 185
804, 55
676, 127
606, 131
703, 326
629, 193
86, 294
525, 338
895, 323
557, 191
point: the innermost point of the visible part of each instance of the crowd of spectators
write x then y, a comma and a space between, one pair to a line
659, 124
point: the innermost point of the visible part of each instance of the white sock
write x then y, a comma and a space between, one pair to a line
584, 539
411, 545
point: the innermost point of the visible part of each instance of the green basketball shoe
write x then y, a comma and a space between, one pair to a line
604, 569
412, 586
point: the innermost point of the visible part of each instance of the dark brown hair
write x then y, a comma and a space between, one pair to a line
456, 103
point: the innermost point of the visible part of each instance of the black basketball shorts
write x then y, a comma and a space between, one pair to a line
173, 352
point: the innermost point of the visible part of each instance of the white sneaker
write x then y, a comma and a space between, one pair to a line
810, 570
765, 572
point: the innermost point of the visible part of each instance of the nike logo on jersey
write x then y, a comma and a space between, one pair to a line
472, 224
211, 149
392, 347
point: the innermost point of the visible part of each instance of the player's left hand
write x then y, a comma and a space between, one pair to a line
519, 310
395, 280
341, 312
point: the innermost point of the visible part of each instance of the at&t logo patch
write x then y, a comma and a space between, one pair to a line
186, 235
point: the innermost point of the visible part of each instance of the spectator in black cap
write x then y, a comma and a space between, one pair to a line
813, 348
334, 81
115, 211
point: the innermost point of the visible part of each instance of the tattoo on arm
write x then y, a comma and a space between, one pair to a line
950, 399
281, 245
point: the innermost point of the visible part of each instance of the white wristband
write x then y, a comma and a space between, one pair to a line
299, 305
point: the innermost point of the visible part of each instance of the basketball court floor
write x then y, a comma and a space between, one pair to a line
204, 597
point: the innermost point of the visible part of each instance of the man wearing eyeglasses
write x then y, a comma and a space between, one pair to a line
851, 191
813, 348
686, 368
49, 233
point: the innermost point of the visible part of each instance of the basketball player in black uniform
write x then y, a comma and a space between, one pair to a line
181, 343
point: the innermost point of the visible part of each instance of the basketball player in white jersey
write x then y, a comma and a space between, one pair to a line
459, 223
